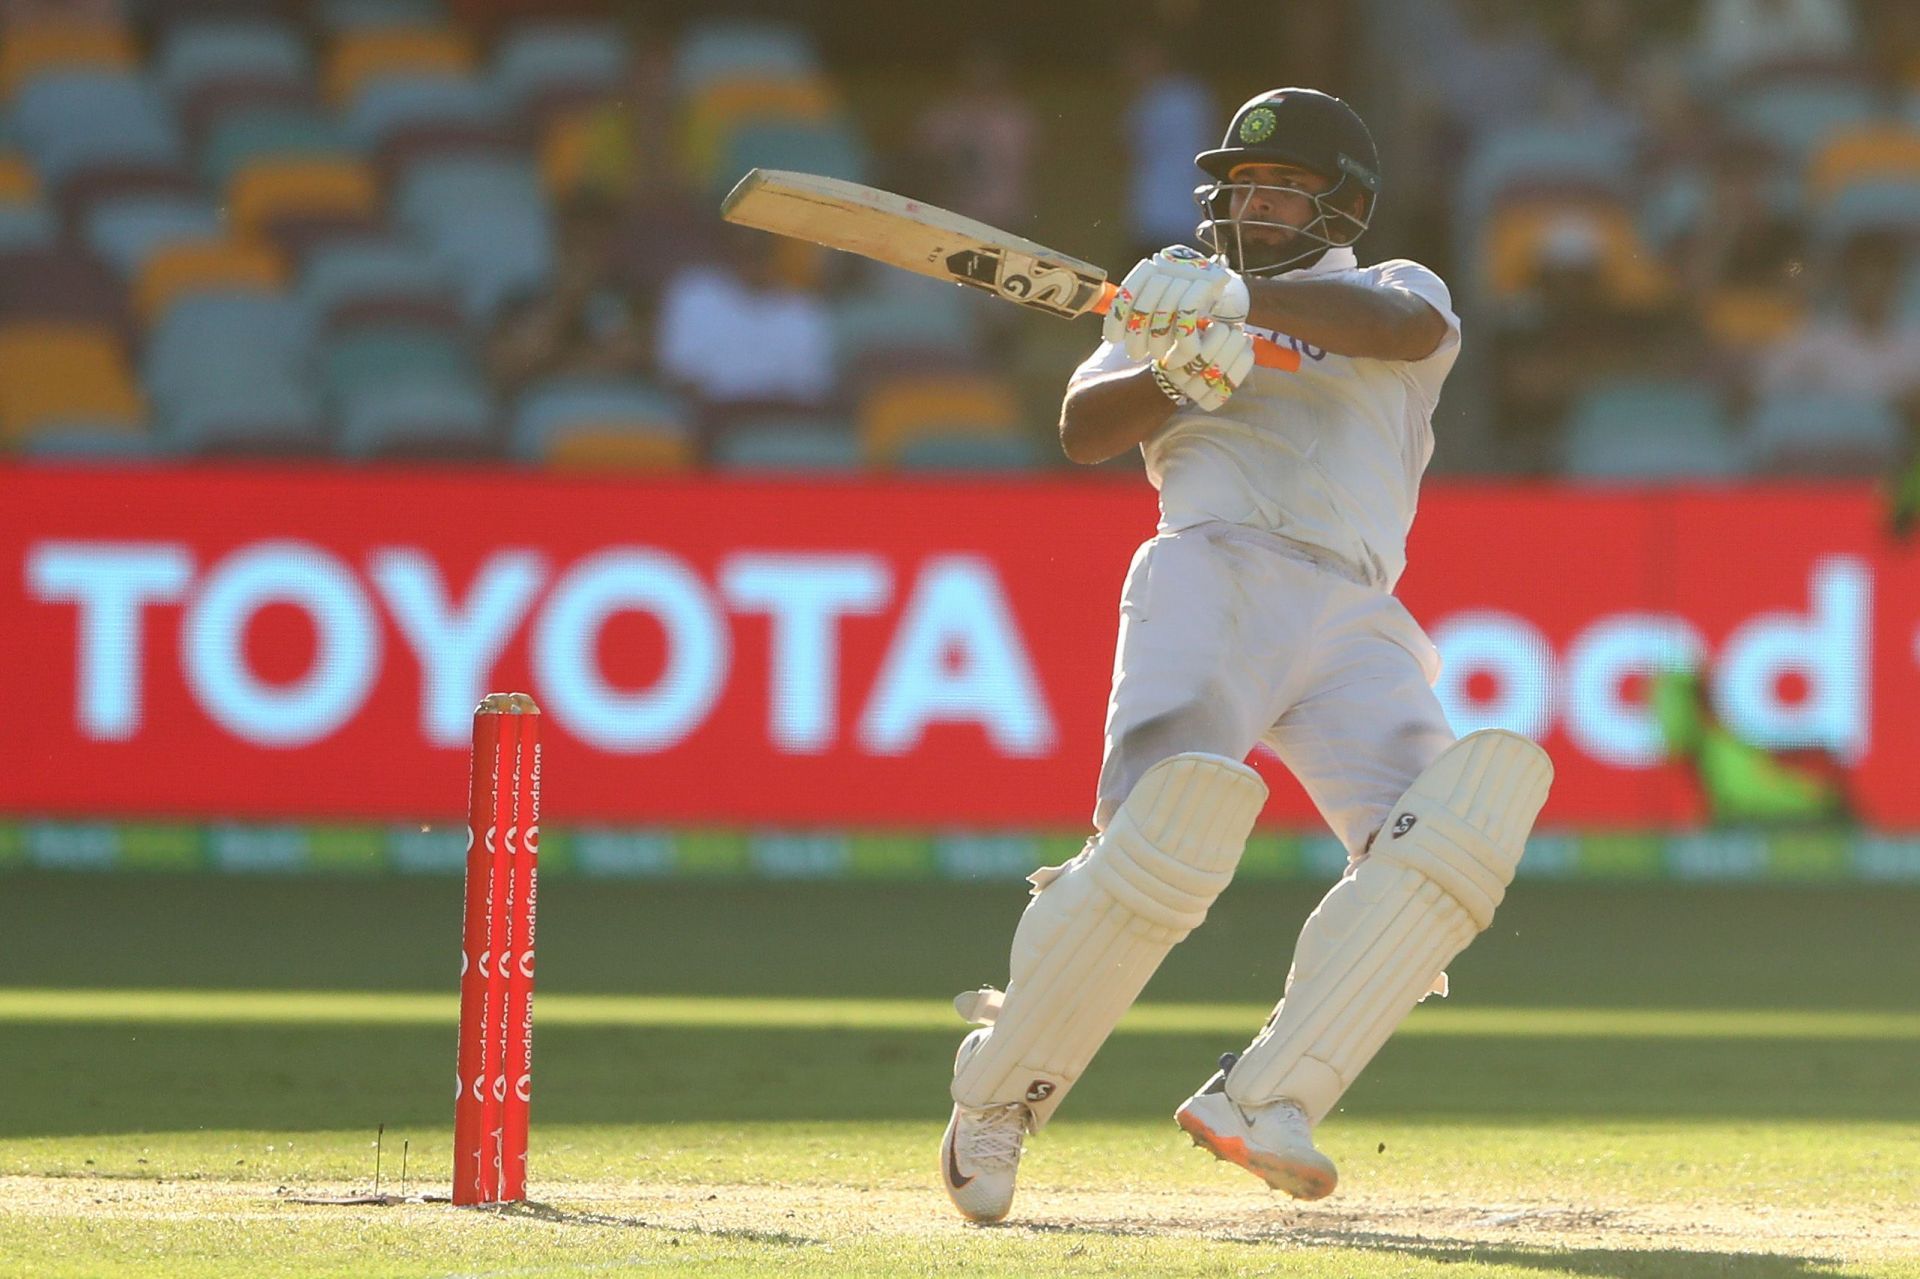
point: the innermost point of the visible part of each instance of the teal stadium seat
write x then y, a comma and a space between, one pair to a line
724, 49
828, 149
1799, 116
432, 416
197, 53
238, 139
782, 443
964, 450
124, 232
347, 272
1647, 430
535, 60
391, 103
71, 121
548, 413
1819, 433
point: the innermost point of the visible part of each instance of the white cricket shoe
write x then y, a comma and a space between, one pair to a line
1273, 1141
980, 1153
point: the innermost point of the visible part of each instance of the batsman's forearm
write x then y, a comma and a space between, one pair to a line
1108, 413
1348, 319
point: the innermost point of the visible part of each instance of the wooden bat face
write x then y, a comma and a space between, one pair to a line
917, 237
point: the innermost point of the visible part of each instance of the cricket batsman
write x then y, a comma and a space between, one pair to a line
1261, 610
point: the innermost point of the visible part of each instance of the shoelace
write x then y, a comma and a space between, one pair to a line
995, 1135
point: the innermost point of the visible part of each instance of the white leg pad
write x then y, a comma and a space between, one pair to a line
1380, 941
1099, 926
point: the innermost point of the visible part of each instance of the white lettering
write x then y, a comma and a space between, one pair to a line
456, 647
1514, 657
1599, 720
564, 638
958, 612
347, 652
805, 596
1830, 647
109, 583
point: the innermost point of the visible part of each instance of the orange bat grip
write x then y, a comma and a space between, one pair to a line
1267, 353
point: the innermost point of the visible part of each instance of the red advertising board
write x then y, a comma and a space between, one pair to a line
262, 644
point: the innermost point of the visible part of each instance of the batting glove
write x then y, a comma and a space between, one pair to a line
1164, 298
1207, 367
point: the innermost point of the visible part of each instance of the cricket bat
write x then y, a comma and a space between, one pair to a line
933, 242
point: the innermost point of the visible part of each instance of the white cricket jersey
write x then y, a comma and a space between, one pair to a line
1329, 454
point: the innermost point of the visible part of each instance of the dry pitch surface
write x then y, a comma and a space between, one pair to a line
120, 1226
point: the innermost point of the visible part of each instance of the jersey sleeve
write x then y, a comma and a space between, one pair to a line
1410, 277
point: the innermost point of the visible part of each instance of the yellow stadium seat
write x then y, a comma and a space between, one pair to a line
1747, 319
719, 108
197, 266
54, 374
1516, 234
1866, 154
33, 48
619, 447
896, 412
267, 190
19, 184
360, 56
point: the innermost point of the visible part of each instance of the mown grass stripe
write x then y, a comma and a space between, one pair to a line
402, 1008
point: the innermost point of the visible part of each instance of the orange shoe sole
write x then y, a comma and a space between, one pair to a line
1302, 1181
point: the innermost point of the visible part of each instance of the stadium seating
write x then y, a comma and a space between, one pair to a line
59, 375
267, 191
1872, 153
893, 414
602, 422
27, 226
418, 417
787, 442
70, 120
194, 55
367, 53
536, 61
35, 50
1799, 116
1649, 430
487, 222
125, 233
718, 49
60, 285
386, 105
1822, 434
277, 132
181, 270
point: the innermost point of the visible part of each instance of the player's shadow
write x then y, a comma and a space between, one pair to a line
1603, 1263
607, 1220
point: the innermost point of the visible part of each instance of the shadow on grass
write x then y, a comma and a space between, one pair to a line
1603, 1263
574, 1217
75, 1079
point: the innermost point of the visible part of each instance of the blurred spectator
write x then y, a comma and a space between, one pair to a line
1741, 237
1569, 331
1738, 36
586, 323
627, 142
735, 332
1861, 346
974, 146
1171, 119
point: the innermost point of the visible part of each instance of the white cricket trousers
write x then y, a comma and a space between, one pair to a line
1230, 636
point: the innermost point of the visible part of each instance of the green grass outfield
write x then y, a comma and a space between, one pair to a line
750, 1079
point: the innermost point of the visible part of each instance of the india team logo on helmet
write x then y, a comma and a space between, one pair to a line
1257, 125
1296, 131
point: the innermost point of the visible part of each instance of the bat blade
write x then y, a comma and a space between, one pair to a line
935, 242
918, 237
